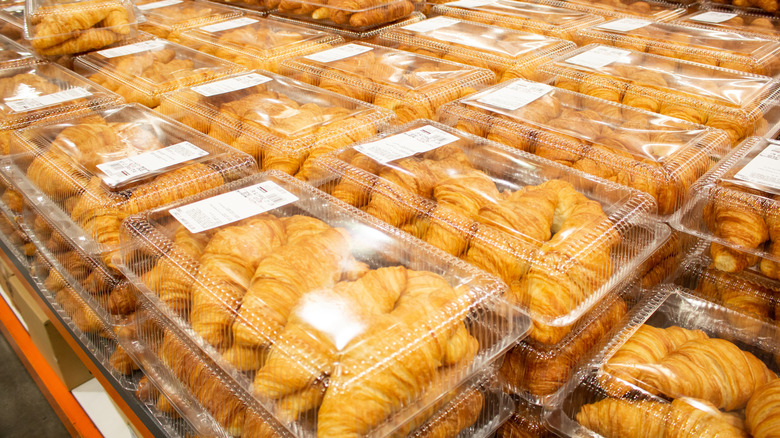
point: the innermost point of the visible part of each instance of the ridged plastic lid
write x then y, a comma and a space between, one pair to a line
725, 17
177, 15
352, 15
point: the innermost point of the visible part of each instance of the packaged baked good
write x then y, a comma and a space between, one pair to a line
726, 49
315, 346
256, 42
12, 22
58, 27
284, 124
541, 19
45, 92
508, 53
13, 54
654, 153
166, 18
655, 10
527, 421
733, 101
663, 262
353, 15
759, 6
351, 35
143, 71
735, 207
13, 236
683, 367
87, 173
503, 212
725, 18
412, 85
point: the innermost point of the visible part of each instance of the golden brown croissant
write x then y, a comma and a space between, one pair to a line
768, 267
78, 27
762, 414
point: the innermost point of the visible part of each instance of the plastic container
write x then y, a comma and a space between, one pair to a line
86, 174
657, 154
349, 35
508, 53
12, 22
733, 101
166, 18
664, 261
144, 71
540, 19
14, 237
413, 86
13, 54
469, 197
735, 206
727, 49
725, 18
352, 15
256, 42
655, 10
66, 27
681, 339
756, 6
444, 298
284, 124
527, 421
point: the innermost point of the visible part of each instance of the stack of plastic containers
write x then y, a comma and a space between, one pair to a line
757, 6
256, 42
736, 102
282, 123
266, 349
655, 10
11, 232
727, 19
508, 53
412, 85
352, 35
167, 18
732, 50
351, 15
683, 367
144, 71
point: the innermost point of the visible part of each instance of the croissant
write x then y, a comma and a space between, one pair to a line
740, 221
86, 41
770, 268
762, 414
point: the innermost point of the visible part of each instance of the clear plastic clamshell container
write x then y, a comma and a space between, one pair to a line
317, 351
733, 101
282, 123
62, 27
351, 35
256, 42
756, 6
13, 236
728, 19
45, 92
541, 19
412, 85
527, 421
560, 239
12, 22
683, 367
13, 54
655, 10
736, 206
542, 374
508, 53
654, 153
663, 262
352, 15
166, 18
86, 174
144, 71
726, 49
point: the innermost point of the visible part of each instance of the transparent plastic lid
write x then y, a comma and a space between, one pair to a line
737, 207
256, 42
506, 52
727, 49
13, 13
657, 154
652, 375
89, 173
655, 10
354, 15
330, 359
535, 18
753, 6
527, 421
351, 35
177, 15
725, 99
61, 27
13, 54
143, 71
412, 85
474, 199
730, 18
284, 124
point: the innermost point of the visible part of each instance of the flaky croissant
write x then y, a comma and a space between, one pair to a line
762, 414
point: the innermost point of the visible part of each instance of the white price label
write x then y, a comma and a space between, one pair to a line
517, 94
431, 24
160, 4
131, 49
624, 24
32, 103
16, 9
230, 24
232, 84
712, 17
337, 53
764, 169
232, 206
406, 144
471, 3
119, 171
598, 57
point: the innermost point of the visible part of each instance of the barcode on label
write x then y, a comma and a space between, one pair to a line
406, 144
232, 84
232, 206
764, 169
119, 171
337, 53
32, 103
713, 17
230, 24
130, 49
516, 94
160, 4
599, 57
